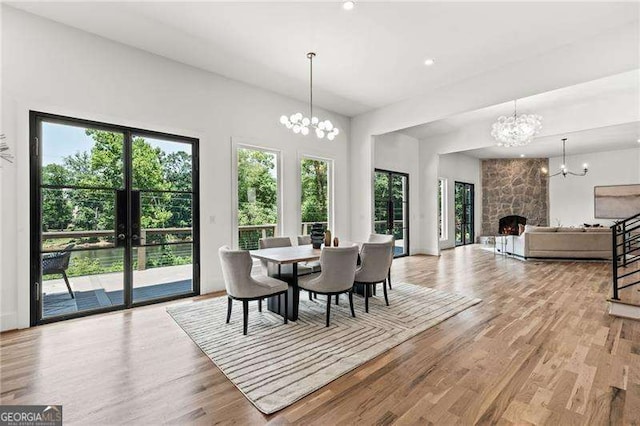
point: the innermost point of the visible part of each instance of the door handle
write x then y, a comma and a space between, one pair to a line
135, 218
121, 217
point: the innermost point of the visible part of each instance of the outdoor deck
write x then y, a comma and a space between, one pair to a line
103, 290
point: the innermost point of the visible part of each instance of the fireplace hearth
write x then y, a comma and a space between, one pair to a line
508, 225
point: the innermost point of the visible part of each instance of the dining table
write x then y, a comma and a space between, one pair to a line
291, 255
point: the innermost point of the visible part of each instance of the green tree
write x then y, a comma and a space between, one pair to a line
257, 187
314, 194
56, 209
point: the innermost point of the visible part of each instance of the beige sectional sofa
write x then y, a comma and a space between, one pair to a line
560, 243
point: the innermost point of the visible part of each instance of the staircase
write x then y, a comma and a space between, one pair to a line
625, 301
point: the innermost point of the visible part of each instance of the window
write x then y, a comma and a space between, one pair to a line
316, 193
258, 213
442, 208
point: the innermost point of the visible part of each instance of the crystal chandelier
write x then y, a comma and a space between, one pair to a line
516, 130
301, 124
564, 171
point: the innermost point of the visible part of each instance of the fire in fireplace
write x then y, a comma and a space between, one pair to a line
508, 225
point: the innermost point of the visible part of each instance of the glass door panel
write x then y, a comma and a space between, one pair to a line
162, 216
464, 213
79, 267
391, 208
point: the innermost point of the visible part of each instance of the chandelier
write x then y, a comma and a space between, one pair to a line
564, 171
516, 130
301, 124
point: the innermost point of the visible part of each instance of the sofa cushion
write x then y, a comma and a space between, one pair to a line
570, 230
597, 229
532, 228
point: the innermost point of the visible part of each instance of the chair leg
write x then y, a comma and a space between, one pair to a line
366, 298
310, 296
245, 316
286, 307
337, 299
229, 303
328, 308
66, 280
353, 312
386, 298
259, 305
389, 279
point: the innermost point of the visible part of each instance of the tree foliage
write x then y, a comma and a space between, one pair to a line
257, 187
314, 184
102, 168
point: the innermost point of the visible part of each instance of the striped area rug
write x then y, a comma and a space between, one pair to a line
276, 364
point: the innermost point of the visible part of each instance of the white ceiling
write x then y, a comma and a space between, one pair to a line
367, 58
604, 88
611, 138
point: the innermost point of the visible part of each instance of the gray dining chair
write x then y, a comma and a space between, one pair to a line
305, 240
374, 267
241, 285
337, 276
385, 238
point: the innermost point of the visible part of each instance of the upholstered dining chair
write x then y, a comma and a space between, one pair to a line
337, 276
305, 240
241, 285
385, 238
373, 269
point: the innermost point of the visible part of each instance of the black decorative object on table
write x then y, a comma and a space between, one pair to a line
317, 235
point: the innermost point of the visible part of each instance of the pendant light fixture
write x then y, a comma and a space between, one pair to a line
564, 171
301, 124
516, 130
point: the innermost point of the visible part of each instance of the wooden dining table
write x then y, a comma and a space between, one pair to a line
291, 255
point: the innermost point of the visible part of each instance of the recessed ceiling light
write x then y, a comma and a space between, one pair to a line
521, 155
348, 5
638, 140
430, 61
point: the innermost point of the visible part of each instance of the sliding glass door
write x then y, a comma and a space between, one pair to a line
114, 217
391, 208
464, 213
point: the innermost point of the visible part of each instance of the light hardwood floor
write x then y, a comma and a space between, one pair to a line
539, 349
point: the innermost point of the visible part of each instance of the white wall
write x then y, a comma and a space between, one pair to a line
399, 153
571, 198
462, 168
53, 68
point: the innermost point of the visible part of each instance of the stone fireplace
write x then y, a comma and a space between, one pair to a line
514, 187
509, 225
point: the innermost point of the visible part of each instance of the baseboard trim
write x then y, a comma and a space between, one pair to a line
8, 321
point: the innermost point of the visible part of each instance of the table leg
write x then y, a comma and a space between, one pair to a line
276, 303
